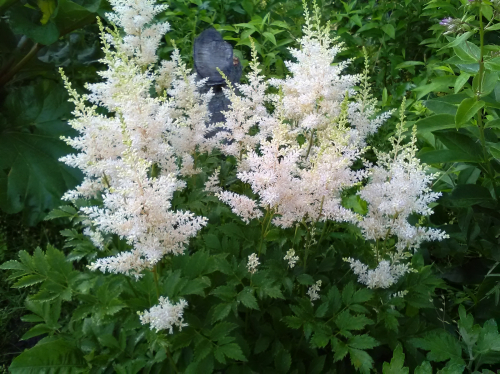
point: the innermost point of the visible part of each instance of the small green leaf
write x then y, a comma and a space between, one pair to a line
283, 361
361, 360
221, 311
397, 363
347, 322
389, 30
269, 37
425, 368
364, 341
305, 279
248, 299
466, 110
408, 64
36, 331
221, 330
461, 80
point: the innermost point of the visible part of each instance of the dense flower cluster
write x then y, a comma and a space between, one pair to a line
134, 156
165, 316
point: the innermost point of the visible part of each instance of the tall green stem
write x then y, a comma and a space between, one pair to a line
478, 97
157, 286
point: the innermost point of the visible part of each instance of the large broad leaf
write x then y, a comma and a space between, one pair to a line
31, 177
54, 357
466, 195
460, 143
436, 122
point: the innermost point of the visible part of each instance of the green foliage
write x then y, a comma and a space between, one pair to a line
265, 322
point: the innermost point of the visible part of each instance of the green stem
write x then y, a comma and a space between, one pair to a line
310, 144
171, 360
265, 228
157, 286
8, 76
481, 111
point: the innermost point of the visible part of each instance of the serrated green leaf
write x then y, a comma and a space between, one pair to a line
221, 311
489, 339
317, 365
202, 349
362, 295
364, 341
48, 357
321, 311
293, 322
441, 346
466, 327
425, 368
347, 322
182, 338
221, 330
360, 360
397, 363
347, 293
247, 298
305, 279
262, 344
36, 331
320, 339
233, 351
339, 348
13, 265
283, 361
29, 280
273, 292
66, 211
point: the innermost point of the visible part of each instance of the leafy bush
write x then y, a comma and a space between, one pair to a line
282, 243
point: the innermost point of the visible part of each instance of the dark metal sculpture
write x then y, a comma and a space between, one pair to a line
212, 52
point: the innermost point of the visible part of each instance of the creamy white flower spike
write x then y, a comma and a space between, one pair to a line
291, 258
312, 291
133, 156
253, 263
165, 315
300, 156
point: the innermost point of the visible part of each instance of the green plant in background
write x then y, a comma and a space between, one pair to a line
459, 136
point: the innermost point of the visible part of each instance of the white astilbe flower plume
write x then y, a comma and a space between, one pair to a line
142, 38
165, 315
398, 187
133, 156
139, 210
300, 159
246, 112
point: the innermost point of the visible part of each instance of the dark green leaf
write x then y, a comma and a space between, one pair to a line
283, 361
54, 356
364, 341
397, 363
248, 299
466, 110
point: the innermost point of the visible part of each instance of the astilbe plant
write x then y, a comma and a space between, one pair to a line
302, 160
296, 163
134, 155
